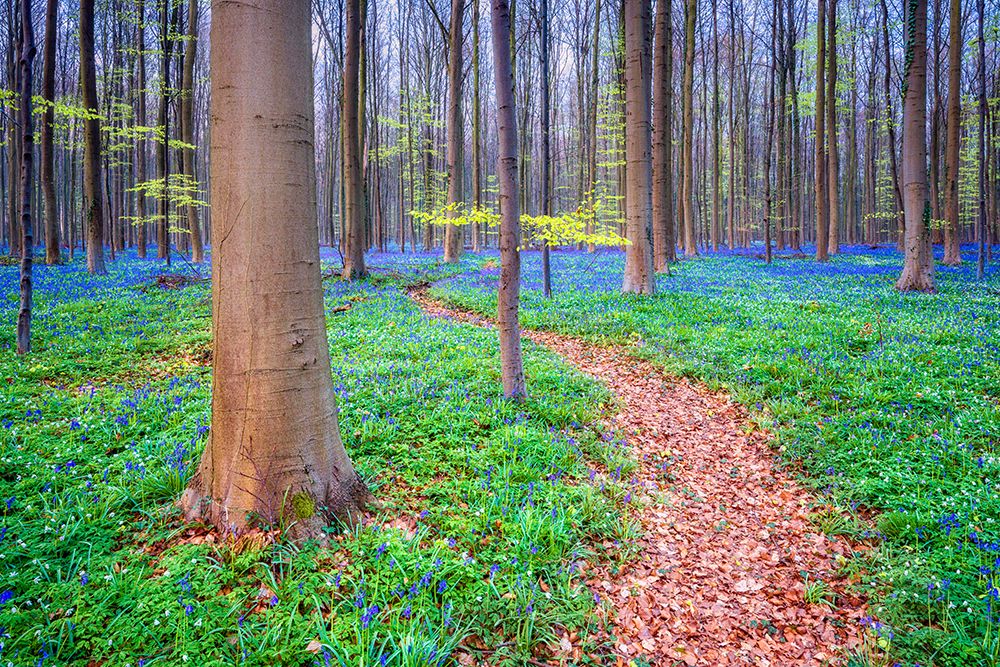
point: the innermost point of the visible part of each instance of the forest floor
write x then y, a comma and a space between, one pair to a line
730, 570
858, 420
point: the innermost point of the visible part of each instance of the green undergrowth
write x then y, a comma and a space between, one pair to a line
490, 512
888, 402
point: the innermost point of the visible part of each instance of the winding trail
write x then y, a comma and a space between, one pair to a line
727, 543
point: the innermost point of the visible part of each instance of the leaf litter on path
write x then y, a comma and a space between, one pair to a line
727, 547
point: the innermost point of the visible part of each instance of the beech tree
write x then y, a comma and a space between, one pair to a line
639, 276
187, 128
26, 58
822, 160
93, 207
952, 256
508, 295
662, 140
274, 451
456, 134
918, 265
354, 251
687, 155
48, 118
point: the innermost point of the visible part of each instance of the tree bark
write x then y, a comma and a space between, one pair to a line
983, 155
354, 254
187, 128
456, 134
663, 206
639, 276
546, 166
833, 166
952, 256
477, 151
140, 120
26, 58
508, 298
918, 266
93, 205
274, 450
48, 152
822, 161
891, 124
687, 191
715, 231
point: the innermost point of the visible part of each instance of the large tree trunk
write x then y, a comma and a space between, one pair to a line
508, 298
26, 58
187, 127
687, 189
274, 449
918, 267
663, 206
48, 153
456, 134
93, 206
639, 276
354, 252
822, 182
952, 256
832, 151
140, 120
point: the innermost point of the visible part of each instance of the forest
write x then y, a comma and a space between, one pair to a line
499, 333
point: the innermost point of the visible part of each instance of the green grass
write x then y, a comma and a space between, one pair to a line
487, 509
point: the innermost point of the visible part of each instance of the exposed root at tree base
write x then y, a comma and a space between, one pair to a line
726, 536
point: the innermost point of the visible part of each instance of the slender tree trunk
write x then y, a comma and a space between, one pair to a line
797, 222
639, 276
952, 256
26, 58
663, 206
715, 232
822, 161
592, 123
691, 16
983, 155
456, 134
354, 255
477, 151
546, 140
769, 100
731, 203
918, 266
48, 152
13, 138
274, 449
934, 174
891, 123
508, 299
93, 208
187, 127
140, 120
832, 150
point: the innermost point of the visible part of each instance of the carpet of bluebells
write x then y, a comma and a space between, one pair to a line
888, 403
491, 512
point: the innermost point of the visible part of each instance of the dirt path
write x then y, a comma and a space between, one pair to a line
726, 544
